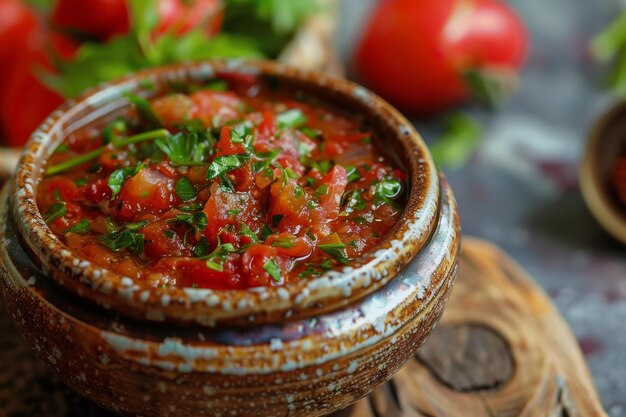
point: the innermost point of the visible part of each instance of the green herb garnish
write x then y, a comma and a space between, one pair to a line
82, 227
119, 176
291, 119
272, 268
185, 190
386, 191
223, 164
145, 111
55, 211
124, 239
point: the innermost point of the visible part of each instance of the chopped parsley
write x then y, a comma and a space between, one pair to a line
273, 269
55, 211
82, 227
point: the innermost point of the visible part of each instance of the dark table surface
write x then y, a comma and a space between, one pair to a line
521, 192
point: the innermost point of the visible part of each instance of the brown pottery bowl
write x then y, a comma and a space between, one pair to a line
306, 349
604, 145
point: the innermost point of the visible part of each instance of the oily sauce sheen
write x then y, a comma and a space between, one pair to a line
229, 185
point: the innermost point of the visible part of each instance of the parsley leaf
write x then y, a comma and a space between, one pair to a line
272, 268
184, 148
215, 260
185, 190
291, 119
119, 176
82, 227
145, 111
124, 239
353, 173
197, 221
225, 163
55, 211
386, 191
353, 201
336, 249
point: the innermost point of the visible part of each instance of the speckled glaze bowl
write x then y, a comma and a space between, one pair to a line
306, 349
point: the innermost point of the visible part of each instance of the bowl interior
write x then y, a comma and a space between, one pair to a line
397, 138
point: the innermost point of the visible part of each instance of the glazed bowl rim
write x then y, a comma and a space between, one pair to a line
362, 276
591, 185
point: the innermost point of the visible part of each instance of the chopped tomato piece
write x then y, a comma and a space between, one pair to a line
147, 191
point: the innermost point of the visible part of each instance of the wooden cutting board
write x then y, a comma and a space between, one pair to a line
501, 350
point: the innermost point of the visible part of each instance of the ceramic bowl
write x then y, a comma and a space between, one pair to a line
603, 147
306, 349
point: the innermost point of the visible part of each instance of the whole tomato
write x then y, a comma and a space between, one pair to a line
104, 19
25, 100
19, 28
418, 53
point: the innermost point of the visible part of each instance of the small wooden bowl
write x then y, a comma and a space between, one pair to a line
307, 349
599, 158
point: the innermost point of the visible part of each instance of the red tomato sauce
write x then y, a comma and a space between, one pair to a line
229, 185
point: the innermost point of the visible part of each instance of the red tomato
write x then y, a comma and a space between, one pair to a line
26, 101
158, 244
18, 27
226, 208
147, 191
105, 19
180, 16
98, 191
415, 53
100, 18
253, 264
194, 272
335, 183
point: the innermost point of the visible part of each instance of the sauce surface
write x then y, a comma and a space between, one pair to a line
231, 184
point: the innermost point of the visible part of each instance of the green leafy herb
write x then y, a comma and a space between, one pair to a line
244, 230
202, 248
322, 190
215, 260
323, 166
291, 119
336, 250
216, 85
353, 173
124, 239
386, 191
272, 268
169, 234
136, 226
185, 190
191, 207
197, 221
312, 133
113, 131
183, 148
225, 163
119, 176
145, 111
61, 148
233, 212
82, 227
265, 232
461, 134
80, 182
353, 200
610, 47
55, 211
89, 156
284, 242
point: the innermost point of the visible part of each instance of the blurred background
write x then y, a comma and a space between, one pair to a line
504, 92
